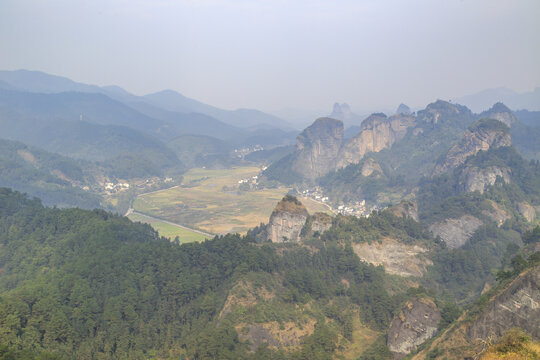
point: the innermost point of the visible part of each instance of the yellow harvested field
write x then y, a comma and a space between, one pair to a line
210, 200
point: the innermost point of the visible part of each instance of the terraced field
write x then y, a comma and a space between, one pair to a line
210, 200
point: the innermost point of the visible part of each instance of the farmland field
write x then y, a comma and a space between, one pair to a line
168, 230
210, 200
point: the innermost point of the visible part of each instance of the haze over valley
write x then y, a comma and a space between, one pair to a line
270, 180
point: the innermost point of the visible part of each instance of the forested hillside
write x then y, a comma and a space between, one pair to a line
88, 284
55, 179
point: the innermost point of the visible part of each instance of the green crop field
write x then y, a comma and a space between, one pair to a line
168, 230
211, 201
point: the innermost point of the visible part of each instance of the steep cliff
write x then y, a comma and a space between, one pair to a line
482, 135
317, 148
287, 221
378, 132
416, 323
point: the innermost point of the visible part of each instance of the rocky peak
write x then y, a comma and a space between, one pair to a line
378, 132
500, 112
403, 109
317, 148
439, 110
482, 135
341, 111
373, 120
287, 221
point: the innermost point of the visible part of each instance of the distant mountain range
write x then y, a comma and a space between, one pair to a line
36, 81
516, 101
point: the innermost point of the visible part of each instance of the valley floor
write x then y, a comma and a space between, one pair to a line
218, 201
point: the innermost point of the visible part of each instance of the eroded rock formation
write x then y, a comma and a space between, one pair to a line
455, 232
517, 306
378, 132
479, 179
416, 323
287, 221
397, 258
482, 135
317, 148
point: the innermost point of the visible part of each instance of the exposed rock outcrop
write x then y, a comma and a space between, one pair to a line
500, 112
517, 306
378, 132
527, 211
416, 323
287, 221
286, 335
397, 258
456, 232
405, 209
317, 148
497, 213
370, 166
479, 179
482, 135
320, 222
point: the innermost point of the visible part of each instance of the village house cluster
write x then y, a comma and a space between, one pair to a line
247, 150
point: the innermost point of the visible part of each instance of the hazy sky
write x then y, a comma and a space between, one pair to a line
273, 54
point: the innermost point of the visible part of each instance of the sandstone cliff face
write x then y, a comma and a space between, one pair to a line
476, 179
397, 258
500, 112
455, 232
483, 135
378, 132
517, 306
317, 148
287, 221
416, 323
